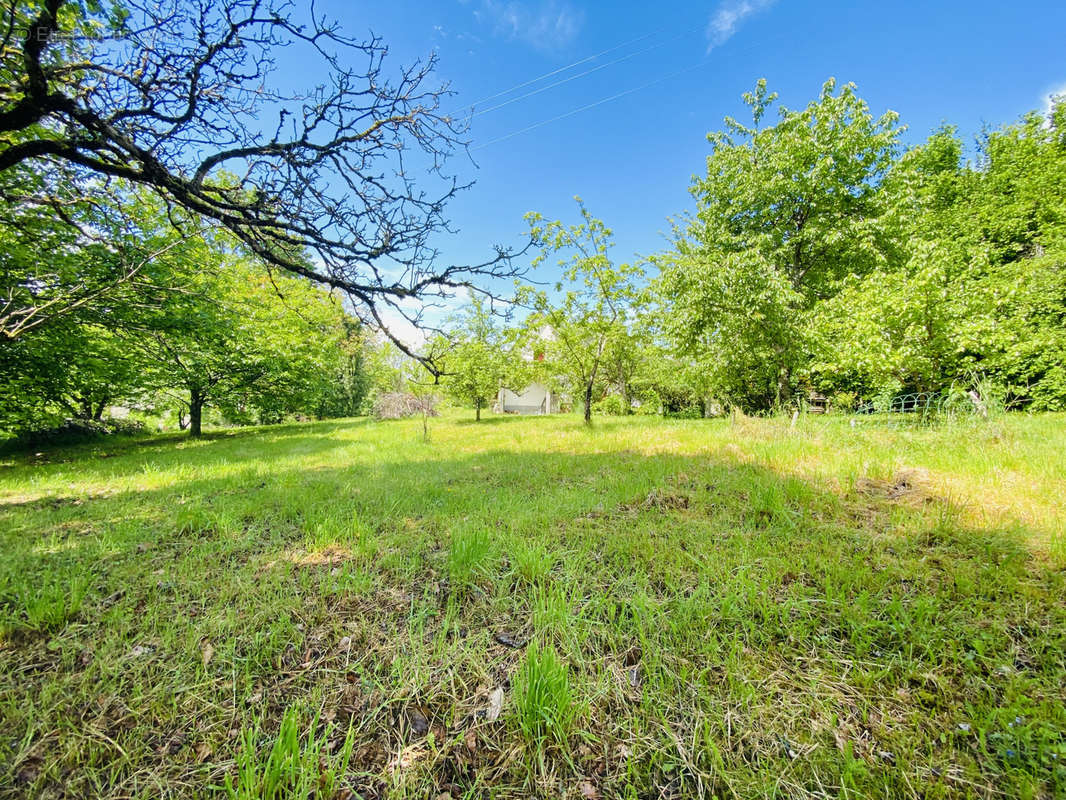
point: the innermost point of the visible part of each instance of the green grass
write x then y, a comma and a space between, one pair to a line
295, 766
523, 607
543, 702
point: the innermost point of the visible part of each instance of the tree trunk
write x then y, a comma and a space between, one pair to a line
196, 407
588, 404
99, 413
477, 409
784, 387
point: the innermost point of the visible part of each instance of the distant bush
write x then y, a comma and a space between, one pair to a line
843, 402
73, 431
399, 405
612, 406
690, 412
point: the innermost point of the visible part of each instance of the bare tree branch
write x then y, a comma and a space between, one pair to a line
343, 183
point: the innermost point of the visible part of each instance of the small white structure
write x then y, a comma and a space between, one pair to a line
534, 399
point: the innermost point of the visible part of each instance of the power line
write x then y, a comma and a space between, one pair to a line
579, 75
612, 97
554, 72
542, 123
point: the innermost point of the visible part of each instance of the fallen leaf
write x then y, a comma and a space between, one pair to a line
588, 791
509, 641
470, 740
203, 752
405, 758
417, 721
495, 704
172, 745
207, 651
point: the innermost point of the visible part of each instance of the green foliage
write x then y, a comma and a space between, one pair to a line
346, 394
583, 328
299, 766
478, 357
199, 322
782, 213
256, 346
544, 703
821, 257
612, 405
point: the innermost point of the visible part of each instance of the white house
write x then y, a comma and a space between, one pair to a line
534, 399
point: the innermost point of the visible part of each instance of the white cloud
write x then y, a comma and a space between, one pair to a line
429, 316
544, 24
729, 16
402, 328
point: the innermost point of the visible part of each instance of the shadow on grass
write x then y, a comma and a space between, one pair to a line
125, 443
489, 420
520, 492
700, 559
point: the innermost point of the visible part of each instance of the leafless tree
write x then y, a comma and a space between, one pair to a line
344, 183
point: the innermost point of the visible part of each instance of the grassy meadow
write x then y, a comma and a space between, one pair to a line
525, 607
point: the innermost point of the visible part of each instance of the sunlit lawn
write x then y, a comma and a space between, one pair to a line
650, 609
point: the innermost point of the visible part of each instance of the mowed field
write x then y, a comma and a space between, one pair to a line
524, 607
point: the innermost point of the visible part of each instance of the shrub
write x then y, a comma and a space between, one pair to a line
612, 406
74, 431
843, 402
399, 405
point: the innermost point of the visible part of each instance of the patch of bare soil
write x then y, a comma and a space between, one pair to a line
907, 485
656, 500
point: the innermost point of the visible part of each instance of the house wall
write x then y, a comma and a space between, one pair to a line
534, 399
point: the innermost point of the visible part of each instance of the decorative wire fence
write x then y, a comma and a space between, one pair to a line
931, 407
920, 403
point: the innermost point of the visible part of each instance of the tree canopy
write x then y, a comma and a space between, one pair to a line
824, 256
584, 325
344, 183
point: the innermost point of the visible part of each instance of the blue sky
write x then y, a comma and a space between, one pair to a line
631, 159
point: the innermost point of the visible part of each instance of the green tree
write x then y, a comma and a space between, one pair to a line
345, 392
98, 95
974, 284
783, 213
244, 341
587, 318
479, 356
